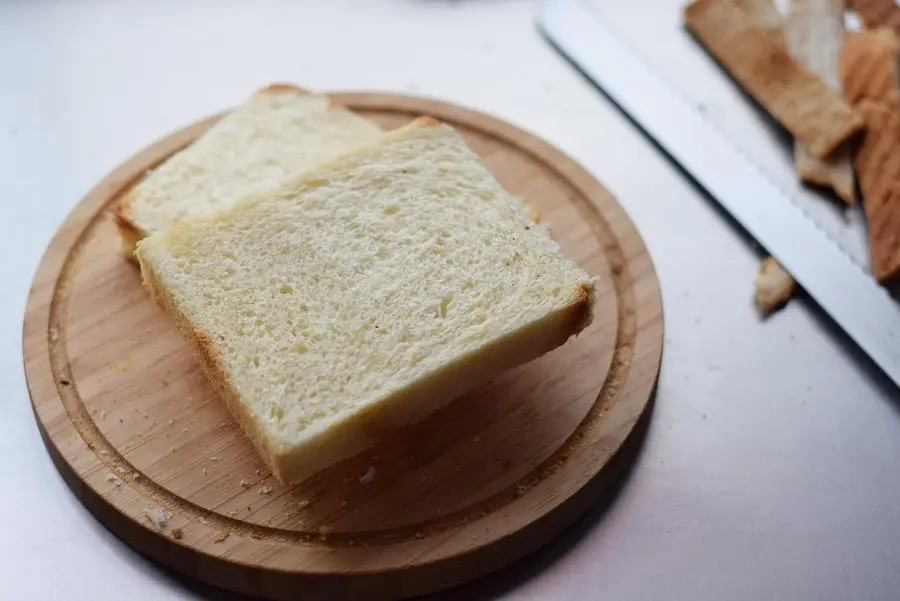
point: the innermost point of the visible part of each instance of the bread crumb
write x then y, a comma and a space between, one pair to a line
303, 504
221, 536
773, 285
368, 476
325, 531
257, 472
177, 533
203, 520
122, 367
184, 430
204, 471
54, 334
102, 414
112, 478
245, 483
157, 518
171, 422
136, 476
104, 452
265, 490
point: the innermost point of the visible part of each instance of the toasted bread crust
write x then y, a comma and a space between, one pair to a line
204, 351
814, 113
427, 120
281, 88
129, 233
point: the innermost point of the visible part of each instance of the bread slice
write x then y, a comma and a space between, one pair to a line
277, 132
364, 295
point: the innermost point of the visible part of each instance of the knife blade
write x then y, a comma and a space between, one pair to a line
844, 289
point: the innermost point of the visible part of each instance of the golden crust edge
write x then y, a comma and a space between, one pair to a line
204, 351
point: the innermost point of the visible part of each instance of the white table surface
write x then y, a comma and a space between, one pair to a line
770, 469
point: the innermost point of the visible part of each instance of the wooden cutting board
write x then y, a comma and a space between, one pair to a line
144, 442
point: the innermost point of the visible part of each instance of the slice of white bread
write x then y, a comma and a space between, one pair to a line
364, 295
277, 132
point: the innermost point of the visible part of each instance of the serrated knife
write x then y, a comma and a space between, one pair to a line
844, 290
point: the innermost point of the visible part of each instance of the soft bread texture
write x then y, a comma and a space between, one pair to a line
364, 295
276, 133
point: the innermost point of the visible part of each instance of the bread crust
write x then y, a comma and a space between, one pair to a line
129, 233
204, 351
281, 88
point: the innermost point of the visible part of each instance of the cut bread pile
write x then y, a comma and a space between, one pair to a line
337, 282
835, 91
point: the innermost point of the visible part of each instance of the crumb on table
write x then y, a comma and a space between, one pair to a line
773, 285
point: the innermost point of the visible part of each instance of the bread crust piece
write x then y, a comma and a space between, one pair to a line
761, 64
129, 232
204, 351
869, 67
344, 437
878, 164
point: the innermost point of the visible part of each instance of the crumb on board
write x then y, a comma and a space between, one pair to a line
136, 476
157, 517
303, 504
265, 490
103, 414
368, 476
245, 483
773, 285
54, 334
177, 533
122, 366
221, 536
204, 471
203, 520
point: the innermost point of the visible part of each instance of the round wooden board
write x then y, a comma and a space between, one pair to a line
135, 429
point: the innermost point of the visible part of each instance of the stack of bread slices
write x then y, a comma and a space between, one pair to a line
336, 281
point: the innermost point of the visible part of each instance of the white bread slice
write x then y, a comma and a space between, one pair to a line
277, 132
364, 295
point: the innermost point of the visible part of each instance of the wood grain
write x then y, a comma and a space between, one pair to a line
135, 429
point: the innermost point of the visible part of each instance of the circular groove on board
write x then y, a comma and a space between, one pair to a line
592, 201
